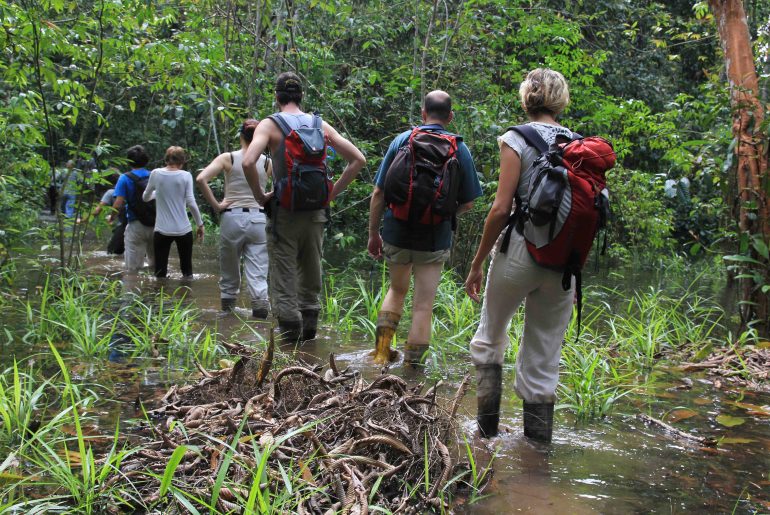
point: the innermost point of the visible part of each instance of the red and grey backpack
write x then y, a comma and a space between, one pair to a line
422, 183
567, 203
303, 182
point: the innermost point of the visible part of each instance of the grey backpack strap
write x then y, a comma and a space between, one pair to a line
531, 136
317, 122
281, 123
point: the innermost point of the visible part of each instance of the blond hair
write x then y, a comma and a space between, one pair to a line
544, 91
175, 156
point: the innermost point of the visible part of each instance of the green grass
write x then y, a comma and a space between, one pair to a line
81, 315
24, 398
622, 336
57, 462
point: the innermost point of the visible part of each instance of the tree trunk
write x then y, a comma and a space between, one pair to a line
750, 149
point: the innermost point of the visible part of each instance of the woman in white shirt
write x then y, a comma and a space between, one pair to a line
173, 191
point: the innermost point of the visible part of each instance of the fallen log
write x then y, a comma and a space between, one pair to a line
706, 441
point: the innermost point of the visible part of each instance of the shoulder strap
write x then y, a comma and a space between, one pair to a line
531, 136
317, 124
134, 178
281, 123
232, 159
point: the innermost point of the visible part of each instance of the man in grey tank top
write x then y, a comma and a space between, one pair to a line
295, 238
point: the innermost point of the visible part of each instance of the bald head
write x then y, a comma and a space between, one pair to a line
438, 106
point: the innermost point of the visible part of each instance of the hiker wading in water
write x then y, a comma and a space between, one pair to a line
298, 204
173, 189
241, 228
514, 277
140, 216
417, 231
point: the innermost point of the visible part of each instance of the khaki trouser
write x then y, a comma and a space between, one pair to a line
295, 245
138, 240
514, 278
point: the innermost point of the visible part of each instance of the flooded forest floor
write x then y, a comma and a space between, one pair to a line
661, 408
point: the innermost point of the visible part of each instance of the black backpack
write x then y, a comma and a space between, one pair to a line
143, 211
422, 184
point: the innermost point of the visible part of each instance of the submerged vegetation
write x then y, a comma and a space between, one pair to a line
48, 422
81, 316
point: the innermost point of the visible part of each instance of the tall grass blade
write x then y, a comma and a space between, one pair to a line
173, 463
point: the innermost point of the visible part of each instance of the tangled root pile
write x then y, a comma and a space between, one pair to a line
342, 442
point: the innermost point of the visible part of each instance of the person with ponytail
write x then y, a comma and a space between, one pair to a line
242, 237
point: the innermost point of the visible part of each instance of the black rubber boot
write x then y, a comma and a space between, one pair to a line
413, 353
309, 323
489, 380
290, 331
538, 421
228, 305
259, 309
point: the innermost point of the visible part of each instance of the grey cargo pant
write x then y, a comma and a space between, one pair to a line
242, 235
138, 240
295, 244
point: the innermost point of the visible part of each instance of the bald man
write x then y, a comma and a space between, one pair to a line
414, 249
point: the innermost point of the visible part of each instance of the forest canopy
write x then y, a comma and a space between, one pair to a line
88, 79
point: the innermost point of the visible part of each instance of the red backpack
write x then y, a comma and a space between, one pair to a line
422, 183
566, 205
303, 182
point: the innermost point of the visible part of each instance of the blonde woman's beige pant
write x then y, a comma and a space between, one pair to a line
514, 278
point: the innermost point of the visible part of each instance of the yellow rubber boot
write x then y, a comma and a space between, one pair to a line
387, 322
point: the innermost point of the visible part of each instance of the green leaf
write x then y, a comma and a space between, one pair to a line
171, 466
9, 477
734, 440
742, 259
730, 421
761, 247
132, 105
703, 352
186, 503
695, 143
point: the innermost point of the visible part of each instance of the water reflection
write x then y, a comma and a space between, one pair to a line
616, 465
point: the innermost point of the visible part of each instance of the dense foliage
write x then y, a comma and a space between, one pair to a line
88, 79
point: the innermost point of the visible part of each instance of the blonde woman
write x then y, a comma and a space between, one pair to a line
173, 190
514, 278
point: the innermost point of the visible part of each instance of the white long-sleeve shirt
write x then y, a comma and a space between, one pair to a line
173, 191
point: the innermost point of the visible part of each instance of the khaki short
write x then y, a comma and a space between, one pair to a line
400, 256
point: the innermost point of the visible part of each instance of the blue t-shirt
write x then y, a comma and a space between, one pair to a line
125, 188
419, 236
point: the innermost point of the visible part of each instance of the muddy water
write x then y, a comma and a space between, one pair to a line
616, 465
